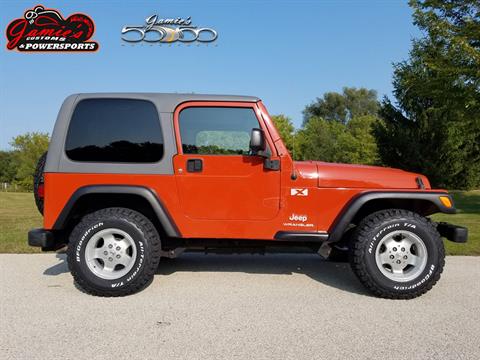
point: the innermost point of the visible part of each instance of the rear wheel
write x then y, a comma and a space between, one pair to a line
38, 182
113, 252
397, 254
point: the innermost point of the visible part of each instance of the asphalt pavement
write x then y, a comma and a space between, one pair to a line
235, 307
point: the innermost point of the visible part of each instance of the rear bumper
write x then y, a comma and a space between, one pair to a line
47, 240
458, 234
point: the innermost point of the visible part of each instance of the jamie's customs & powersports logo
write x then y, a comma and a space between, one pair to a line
45, 30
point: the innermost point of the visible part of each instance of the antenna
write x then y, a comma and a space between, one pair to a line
294, 145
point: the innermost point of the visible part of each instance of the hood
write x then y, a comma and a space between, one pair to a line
359, 176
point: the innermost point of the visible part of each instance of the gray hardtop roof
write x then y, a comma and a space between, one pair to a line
57, 161
167, 102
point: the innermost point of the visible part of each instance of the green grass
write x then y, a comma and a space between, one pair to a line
18, 214
468, 215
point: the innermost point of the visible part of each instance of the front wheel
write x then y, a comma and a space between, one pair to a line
397, 254
113, 252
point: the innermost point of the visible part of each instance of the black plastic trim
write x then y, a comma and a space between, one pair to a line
41, 238
420, 183
270, 164
349, 211
163, 216
194, 165
301, 236
455, 233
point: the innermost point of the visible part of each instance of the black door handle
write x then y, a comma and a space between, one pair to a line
194, 165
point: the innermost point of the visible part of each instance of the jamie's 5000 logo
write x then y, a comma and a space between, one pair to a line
157, 30
43, 29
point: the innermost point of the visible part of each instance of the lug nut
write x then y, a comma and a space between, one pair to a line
405, 257
398, 261
110, 246
105, 253
110, 259
118, 248
392, 257
394, 249
118, 256
403, 249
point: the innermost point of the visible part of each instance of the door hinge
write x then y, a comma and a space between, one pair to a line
271, 164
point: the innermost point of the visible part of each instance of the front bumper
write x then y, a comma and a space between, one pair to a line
47, 240
458, 234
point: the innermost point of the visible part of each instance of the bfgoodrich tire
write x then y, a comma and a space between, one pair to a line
397, 254
113, 252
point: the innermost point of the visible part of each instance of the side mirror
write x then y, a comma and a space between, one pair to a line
257, 141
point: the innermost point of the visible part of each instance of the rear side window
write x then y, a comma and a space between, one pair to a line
115, 130
217, 130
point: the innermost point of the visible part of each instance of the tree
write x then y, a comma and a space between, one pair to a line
286, 129
452, 44
363, 147
318, 140
338, 127
435, 126
343, 107
7, 166
333, 141
27, 150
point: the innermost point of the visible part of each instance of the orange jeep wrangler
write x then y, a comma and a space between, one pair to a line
131, 178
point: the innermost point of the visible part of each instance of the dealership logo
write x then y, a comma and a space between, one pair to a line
43, 29
157, 30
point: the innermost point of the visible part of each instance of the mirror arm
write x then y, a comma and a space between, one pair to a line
263, 154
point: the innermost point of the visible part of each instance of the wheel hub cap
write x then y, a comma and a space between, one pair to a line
401, 256
110, 253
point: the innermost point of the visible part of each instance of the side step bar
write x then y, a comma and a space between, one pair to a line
301, 236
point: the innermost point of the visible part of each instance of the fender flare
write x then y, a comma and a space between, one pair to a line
149, 195
355, 204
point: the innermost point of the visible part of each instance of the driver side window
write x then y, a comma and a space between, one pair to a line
217, 130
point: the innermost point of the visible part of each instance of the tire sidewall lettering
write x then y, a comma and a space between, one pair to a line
418, 283
379, 233
90, 231
140, 261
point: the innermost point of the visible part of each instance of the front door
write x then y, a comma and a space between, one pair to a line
217, 177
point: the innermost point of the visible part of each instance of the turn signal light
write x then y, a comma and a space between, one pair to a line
446, 201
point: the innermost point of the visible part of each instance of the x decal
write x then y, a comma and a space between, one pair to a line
299, 192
